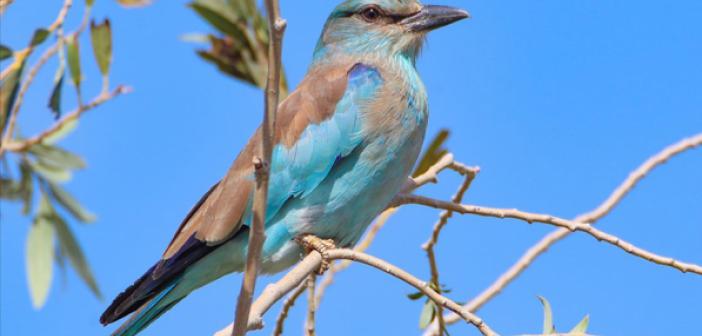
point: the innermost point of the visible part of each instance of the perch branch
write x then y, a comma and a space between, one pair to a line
591, 217
311, 264
276, 27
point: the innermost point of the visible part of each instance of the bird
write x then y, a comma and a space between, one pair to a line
345, 142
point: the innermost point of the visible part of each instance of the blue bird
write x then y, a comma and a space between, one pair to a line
345, 142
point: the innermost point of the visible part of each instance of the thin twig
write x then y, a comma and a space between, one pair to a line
23, 89
287, 305
429, 245
20, 146
311, 307
555, 221
257, 234
591, 217
311, 264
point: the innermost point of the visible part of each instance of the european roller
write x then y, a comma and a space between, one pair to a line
345, 142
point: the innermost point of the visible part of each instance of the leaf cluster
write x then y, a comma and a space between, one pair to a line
239, 48
43, 168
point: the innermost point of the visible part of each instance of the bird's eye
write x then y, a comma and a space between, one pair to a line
371, 14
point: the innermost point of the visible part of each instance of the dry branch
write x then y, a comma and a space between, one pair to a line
311, 264
555, 221
591, 217
257, 235
19, 146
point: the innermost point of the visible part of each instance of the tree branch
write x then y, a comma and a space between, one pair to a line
287, 305
591, 217
20, 146
311, 264
429, 245
555, 221
257, 235
311, 307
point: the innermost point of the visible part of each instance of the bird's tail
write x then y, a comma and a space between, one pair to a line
148, 312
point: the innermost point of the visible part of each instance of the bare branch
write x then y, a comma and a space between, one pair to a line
287, 305
20, 146
591, 217
311, 264
555, 221
257, 235
311, 307
429, 245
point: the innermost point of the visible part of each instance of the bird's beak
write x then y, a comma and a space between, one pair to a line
432, 17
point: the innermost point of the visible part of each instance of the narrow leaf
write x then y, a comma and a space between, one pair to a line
581, 327
415, 296
427, 315
57, 157
40, 257
101, 36
433, 153
5, 52
71, 249
39, 37
9, 189
62, 132
26, 186
73, 57
549, 328
9, 86
70, 204
49, 172
55, 99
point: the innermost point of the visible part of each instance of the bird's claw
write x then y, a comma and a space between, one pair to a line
313, 243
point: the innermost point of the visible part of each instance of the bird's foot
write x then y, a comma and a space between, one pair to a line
313, 243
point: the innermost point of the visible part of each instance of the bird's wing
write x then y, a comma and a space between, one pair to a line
317, 124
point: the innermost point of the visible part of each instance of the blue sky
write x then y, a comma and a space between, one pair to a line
556, 100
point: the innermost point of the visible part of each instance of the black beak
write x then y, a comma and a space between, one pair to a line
432, 17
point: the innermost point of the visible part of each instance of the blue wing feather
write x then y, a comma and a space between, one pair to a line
298, 170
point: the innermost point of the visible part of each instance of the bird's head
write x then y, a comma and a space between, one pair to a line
389, 27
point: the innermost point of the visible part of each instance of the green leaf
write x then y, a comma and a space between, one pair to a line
10, 189
62, 132
415, 296
73, 57
581, 327
57, 157
40, 257
101, 36
427, 315
55, 99
49, 172
433, 153
220, 15
5, 52
71, 249
39, 37
89, 3
549, 328
26, 186
9, 87
70, 203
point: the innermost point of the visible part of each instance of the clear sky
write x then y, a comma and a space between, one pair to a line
556, 100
